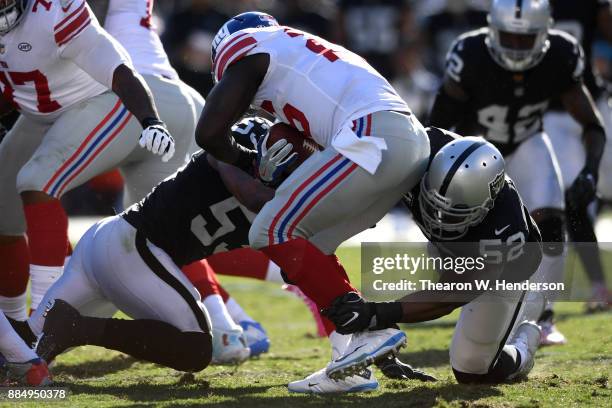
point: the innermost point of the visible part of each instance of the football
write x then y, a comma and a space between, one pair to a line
302, 145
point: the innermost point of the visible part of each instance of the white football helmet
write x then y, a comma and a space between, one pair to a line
460, 186
11, 12
518, 32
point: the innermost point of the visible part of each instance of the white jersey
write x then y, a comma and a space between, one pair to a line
316, 86
34, 75
129, 21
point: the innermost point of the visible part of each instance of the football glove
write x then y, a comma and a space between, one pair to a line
156, 139
351, 313
392, 367
272, 162
583, 189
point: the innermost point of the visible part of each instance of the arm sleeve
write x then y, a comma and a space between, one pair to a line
95, 51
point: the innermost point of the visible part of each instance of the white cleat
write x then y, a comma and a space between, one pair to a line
526, 340
229, 347
320, 383
551, 336
364, 349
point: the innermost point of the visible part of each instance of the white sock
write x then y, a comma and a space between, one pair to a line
41, 278
15, 307
237, 312
12, 347
523, 353
273, 274
338, 342
219, 315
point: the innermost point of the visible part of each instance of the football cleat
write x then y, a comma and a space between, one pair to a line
392, 367
60, 330
256, 337
33, 373
550, 335
366, 348
312, 306
600, 300
526, 339
320, 383
229, 347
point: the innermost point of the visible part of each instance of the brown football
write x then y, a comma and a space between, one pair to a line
302, 145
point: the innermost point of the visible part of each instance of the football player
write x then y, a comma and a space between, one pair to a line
466, 207
374, 149
19, 364
132, 262
82, 108
499, 81
584, 21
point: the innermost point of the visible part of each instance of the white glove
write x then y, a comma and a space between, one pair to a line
272, 162
158, 140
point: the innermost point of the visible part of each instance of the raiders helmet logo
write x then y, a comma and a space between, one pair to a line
496, 185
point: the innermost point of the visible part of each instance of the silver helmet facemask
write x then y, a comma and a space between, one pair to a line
518, 32
11, 12
460, 187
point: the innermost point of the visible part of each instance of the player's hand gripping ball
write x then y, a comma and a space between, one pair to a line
156, 139
281, 151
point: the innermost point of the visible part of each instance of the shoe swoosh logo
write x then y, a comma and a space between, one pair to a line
355, 315
499, 231
345, 356
312, 384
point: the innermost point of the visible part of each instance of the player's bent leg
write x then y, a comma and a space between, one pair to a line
15, 150
480, 351
143, 282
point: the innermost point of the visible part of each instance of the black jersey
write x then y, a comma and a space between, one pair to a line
502, 234
580, 20
506, 107
191, 214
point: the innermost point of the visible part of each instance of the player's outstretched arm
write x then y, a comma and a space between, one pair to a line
579, 103
248, 191
226, 103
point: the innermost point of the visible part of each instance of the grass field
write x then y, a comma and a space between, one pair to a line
577, 374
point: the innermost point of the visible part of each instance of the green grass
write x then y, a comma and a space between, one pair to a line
577, 374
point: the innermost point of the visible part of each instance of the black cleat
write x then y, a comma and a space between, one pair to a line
61, 330
393, 368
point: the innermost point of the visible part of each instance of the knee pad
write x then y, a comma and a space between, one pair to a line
552, 228
200, 352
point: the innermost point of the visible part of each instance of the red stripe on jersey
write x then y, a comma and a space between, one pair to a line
61, 23
225, 47
233, 54
84, 26
75, 25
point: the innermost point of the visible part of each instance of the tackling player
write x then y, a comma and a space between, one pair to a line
499, 82
132, 262
466, 207
374, 149
58, 67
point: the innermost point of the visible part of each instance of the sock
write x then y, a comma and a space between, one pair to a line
274, 273
12, 347
14, 274
150, 340
319, 276
41, 279
202, 276
15, 307
47, 233
338, 342
48, 241
244, 262
237, 312
219, 315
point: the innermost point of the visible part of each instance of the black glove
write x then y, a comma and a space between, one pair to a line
350, 313
393, 368
583, 189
